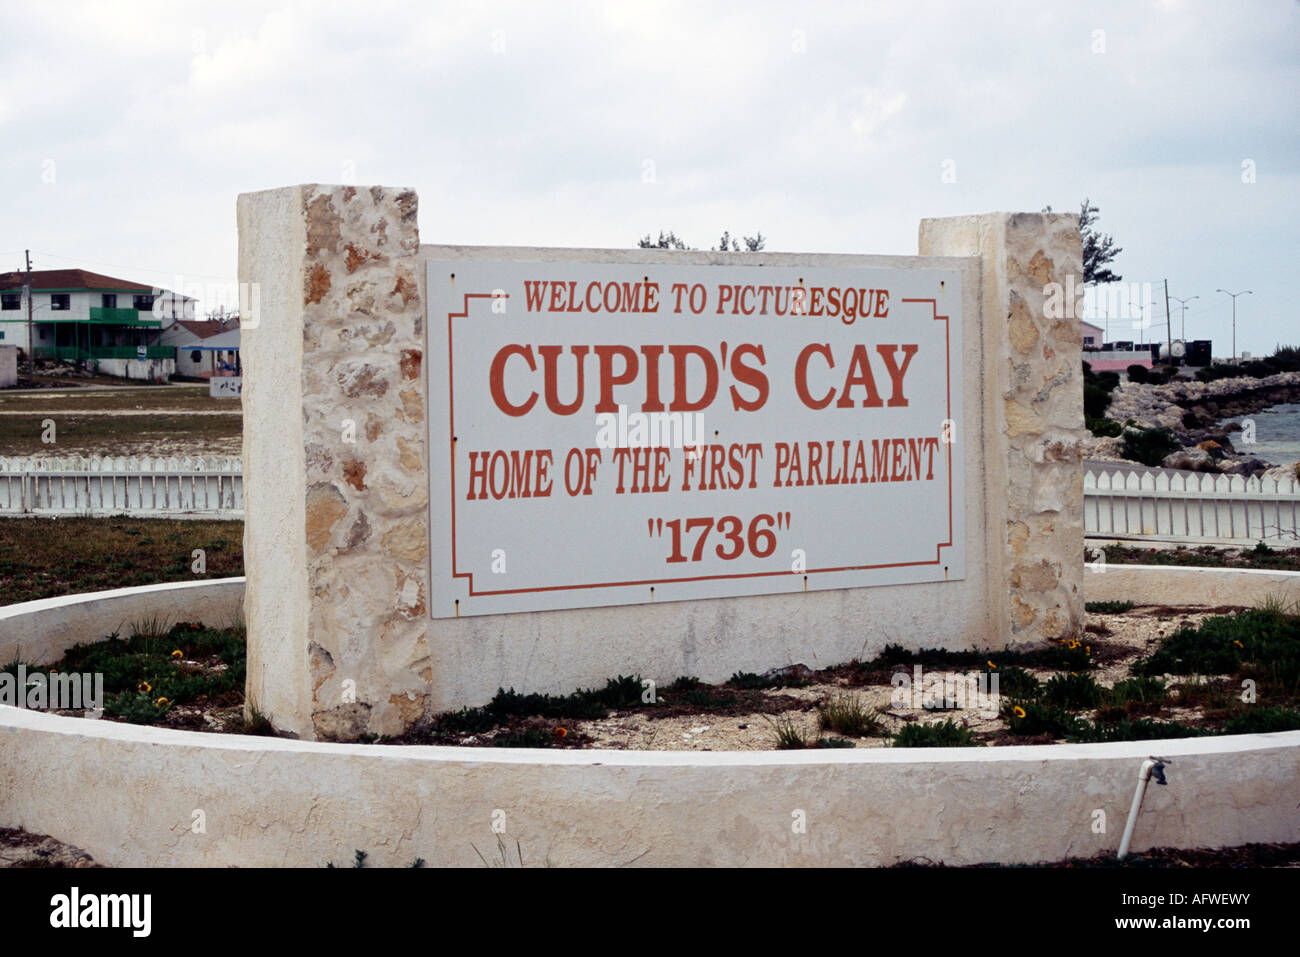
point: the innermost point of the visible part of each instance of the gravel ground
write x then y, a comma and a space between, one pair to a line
1125, 637
19, 848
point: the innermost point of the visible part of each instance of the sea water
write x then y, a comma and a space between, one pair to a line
1277, 434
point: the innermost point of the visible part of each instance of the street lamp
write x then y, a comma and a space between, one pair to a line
1234, 296
1182, 312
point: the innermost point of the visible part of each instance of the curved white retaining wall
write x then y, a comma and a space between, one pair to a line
135, 796
132, 796
1175, 585
39, 632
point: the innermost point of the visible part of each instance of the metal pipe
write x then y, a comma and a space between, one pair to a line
1151, 766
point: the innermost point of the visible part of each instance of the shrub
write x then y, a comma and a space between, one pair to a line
1144, 729
1104, 428
1097, 388
748, 681
1107, 607
1017, 683
527, 738
1143, 690
1149, 446
1072, 691
1137, 373
1263, 641
789, 736
946, 735
1031, 717
1263, 720
846, 714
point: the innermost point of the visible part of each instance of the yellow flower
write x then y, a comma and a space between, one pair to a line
144, 687
162, 702
177, 654
1018, 711
561, 733
993, 666
1239, 644
1072, 644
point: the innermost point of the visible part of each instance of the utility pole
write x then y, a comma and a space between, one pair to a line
1182, 311
1169, 326
1234, 296
31, 336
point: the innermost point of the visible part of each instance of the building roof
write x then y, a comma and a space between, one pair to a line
49, 279
203, 328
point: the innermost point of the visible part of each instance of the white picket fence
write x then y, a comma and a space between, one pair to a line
144, 487
1193, 507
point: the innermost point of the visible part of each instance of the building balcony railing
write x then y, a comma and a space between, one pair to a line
103, 352
122, 317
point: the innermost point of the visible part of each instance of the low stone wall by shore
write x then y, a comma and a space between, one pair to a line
1193, 411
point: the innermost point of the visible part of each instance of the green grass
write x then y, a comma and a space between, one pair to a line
143, 679
44, 557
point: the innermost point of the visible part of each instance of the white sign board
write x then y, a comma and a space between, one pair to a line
225, 386
608, 434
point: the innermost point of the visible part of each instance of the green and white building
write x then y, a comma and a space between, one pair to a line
112, 324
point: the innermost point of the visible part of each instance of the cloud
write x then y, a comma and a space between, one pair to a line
828, 127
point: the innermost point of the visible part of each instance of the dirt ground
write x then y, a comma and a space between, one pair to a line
1130, 636
159, 421
19, 848
749, 722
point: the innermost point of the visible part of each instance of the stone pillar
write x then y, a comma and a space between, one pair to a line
334, 459
1033, 411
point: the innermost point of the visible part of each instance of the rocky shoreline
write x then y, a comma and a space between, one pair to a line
1193, 411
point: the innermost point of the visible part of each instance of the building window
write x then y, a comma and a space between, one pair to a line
11, 300
142, 303
196, 355
45, 333
2, 335
60, 301
108, 300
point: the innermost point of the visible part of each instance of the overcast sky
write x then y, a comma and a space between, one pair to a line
129, 130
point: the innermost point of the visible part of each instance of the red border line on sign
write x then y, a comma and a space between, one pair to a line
451, 417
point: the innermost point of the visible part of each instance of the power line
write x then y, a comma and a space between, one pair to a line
93, 262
